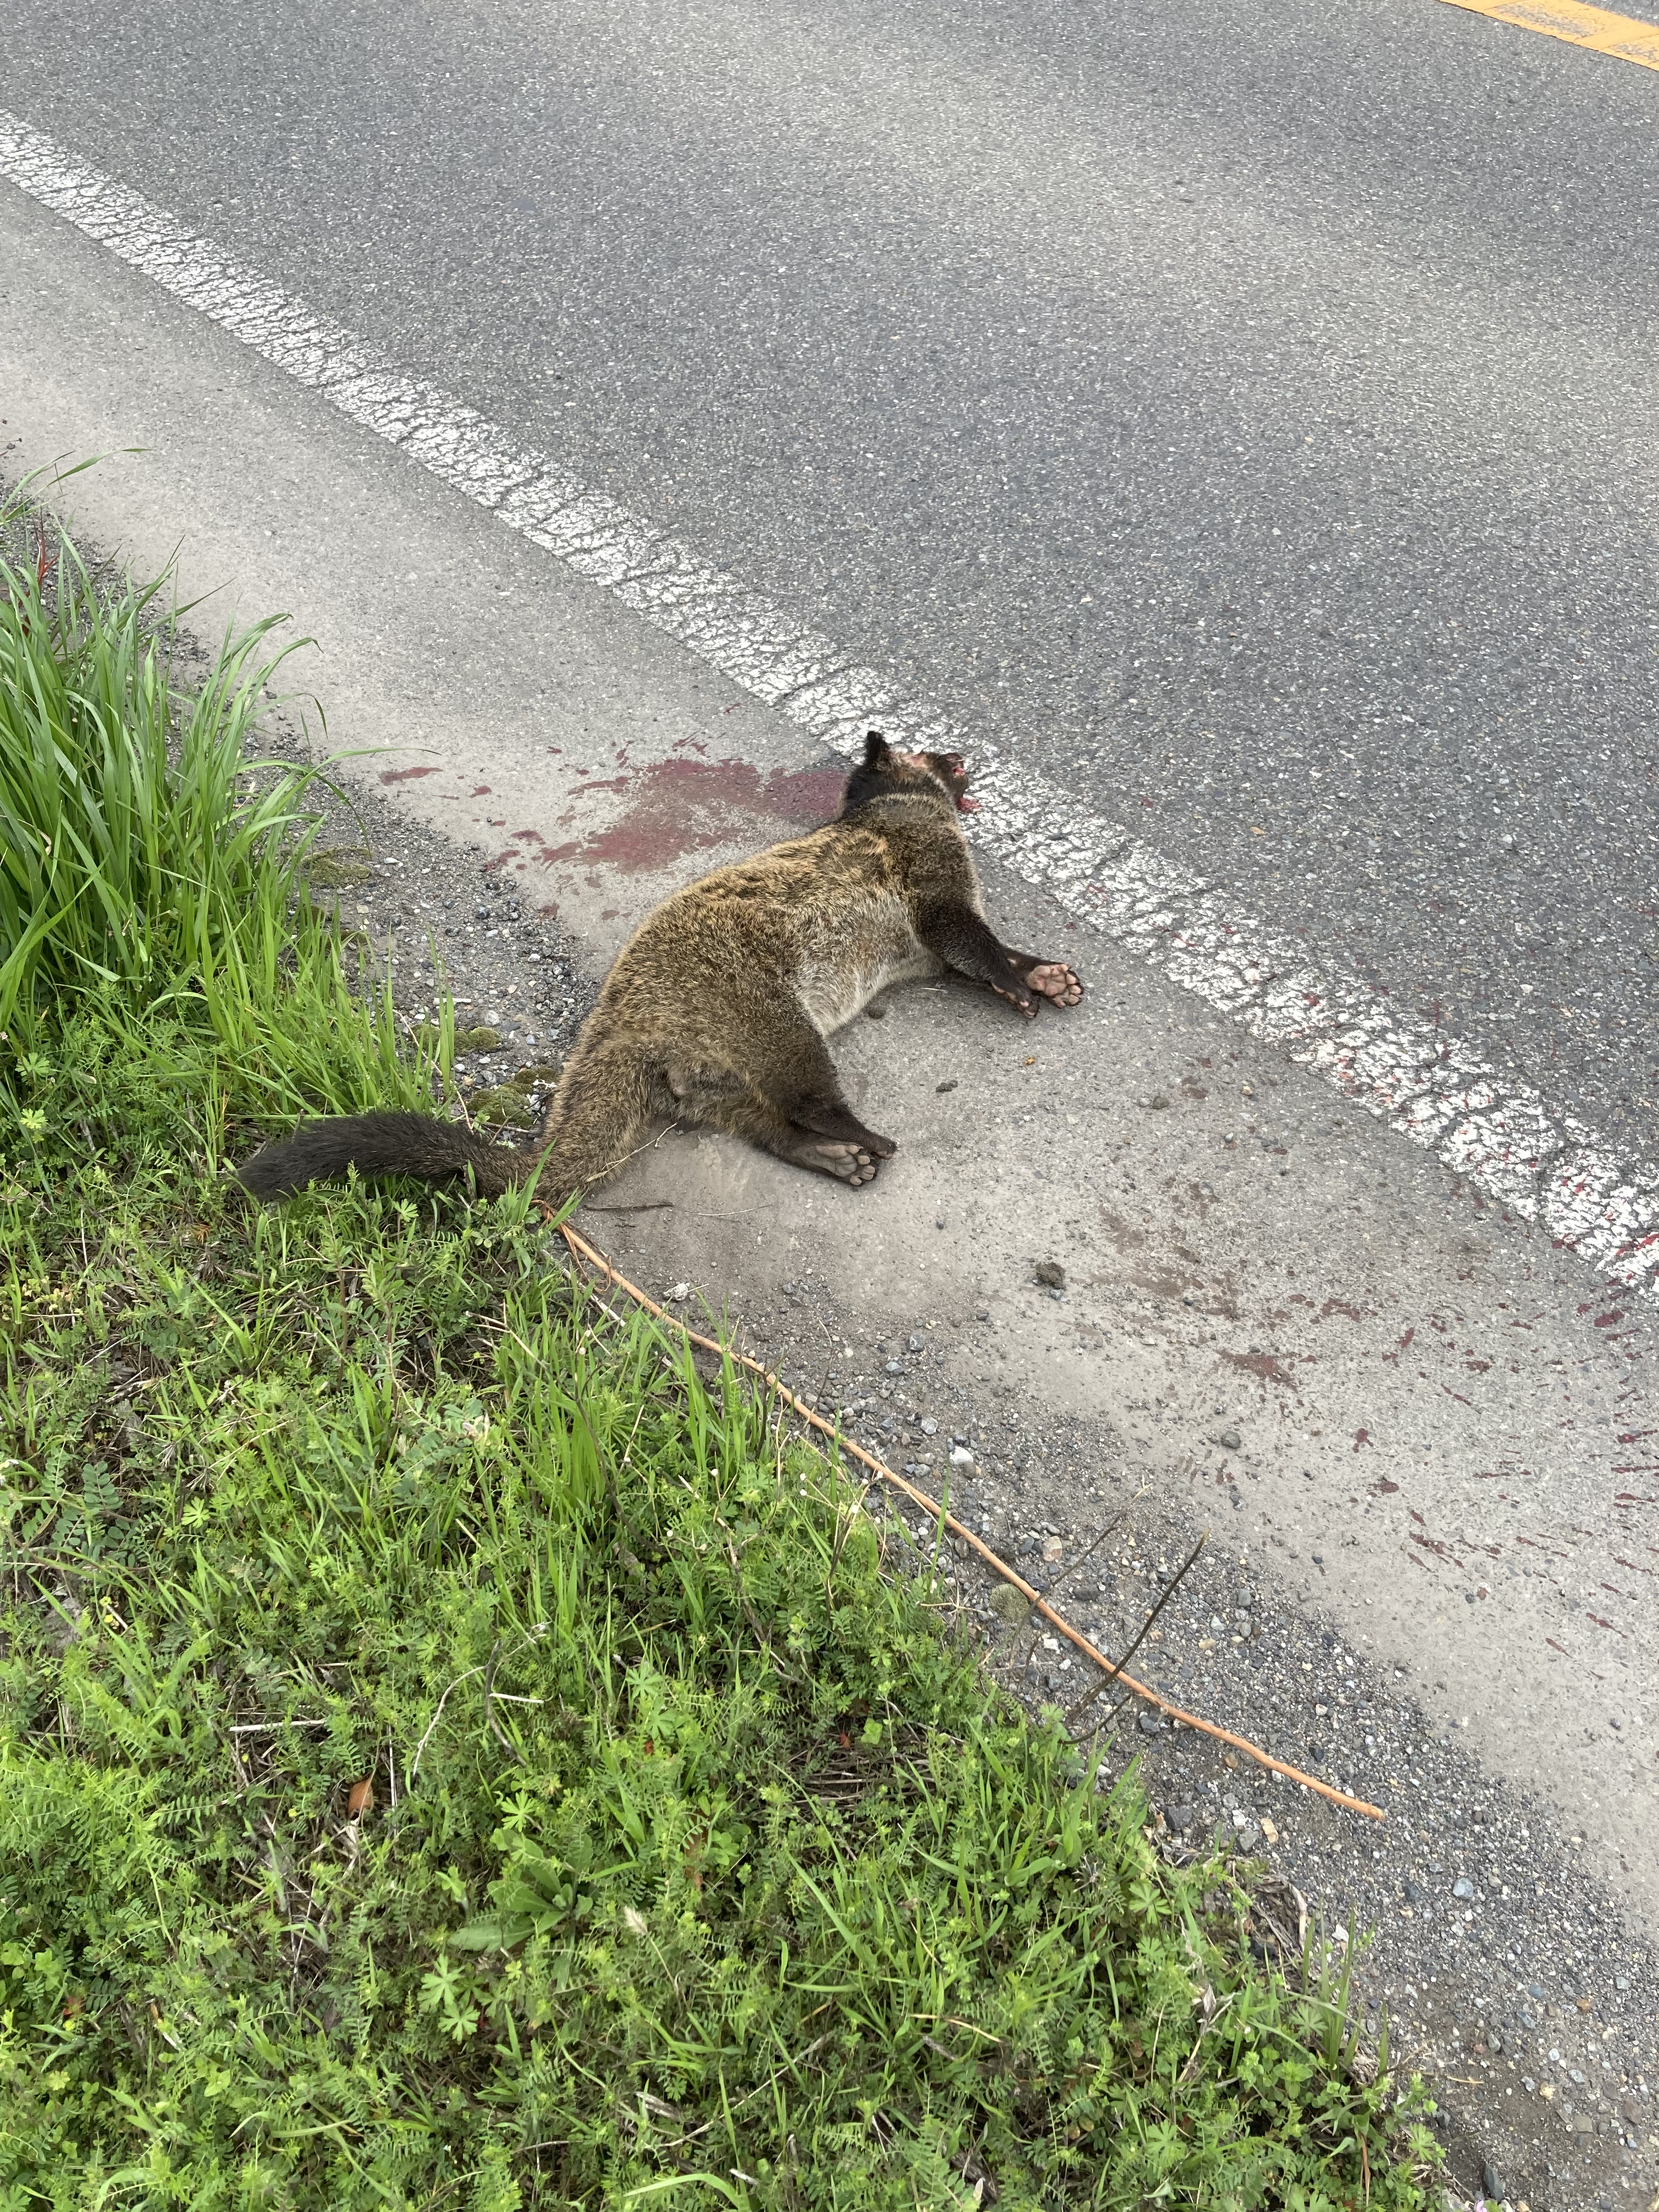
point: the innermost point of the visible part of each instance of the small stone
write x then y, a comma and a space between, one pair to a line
1149, 1723
894, 1367
1229, 1440
1051, 1275
929, 1427
913, 1344
962, 1459
1052, 1548
1180, 1818
1462, 1887
1496, 2191
1008, 1605
677, 1291
943, 1087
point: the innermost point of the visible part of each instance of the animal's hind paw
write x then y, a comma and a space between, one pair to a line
848, 1163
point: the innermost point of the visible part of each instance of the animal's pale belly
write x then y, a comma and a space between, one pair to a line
880, 950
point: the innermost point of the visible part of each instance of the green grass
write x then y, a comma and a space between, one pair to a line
740, 1865
151, 863
703, 1865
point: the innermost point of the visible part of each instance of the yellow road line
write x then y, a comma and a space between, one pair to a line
1598, 28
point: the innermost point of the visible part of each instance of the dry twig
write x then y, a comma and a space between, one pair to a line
582, 1249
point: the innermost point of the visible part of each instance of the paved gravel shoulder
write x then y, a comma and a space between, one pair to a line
1497, 1960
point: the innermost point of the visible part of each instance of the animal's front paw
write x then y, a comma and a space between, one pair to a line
1053, 981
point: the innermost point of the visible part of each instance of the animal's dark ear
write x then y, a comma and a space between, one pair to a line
876, 752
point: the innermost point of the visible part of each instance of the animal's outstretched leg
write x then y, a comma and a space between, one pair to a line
966, 942
791, 1069
848, 1157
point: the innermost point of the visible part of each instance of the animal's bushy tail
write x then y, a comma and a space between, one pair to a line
603, 1101
383, 1145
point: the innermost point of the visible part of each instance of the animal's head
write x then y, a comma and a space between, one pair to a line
884, 770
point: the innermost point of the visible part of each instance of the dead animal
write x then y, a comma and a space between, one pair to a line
716, 1012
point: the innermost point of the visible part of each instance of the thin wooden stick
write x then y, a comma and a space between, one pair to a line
580, 1248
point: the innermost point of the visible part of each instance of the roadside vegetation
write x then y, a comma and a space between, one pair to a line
455, 1751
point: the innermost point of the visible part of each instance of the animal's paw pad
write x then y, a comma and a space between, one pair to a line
1061, 985
849, 1163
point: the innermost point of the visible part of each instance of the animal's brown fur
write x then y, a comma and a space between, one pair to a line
716, 1010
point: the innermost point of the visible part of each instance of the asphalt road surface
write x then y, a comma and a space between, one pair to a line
1247, 414
1242, 419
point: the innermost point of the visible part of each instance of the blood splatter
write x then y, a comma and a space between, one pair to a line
680, 805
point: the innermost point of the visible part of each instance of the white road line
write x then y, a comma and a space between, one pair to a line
1546, 1167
